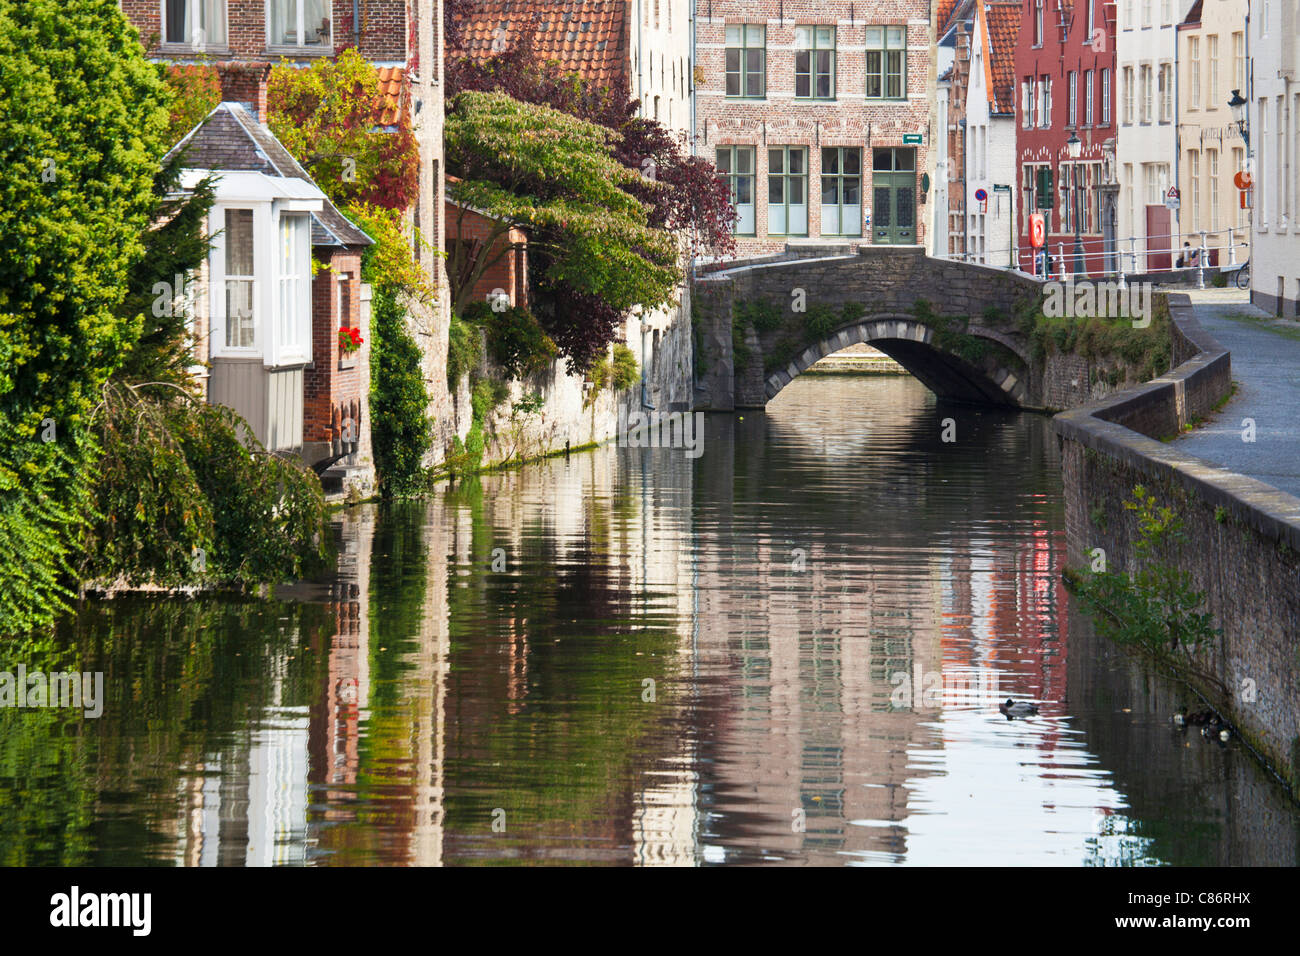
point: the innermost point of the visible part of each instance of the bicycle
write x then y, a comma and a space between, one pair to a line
1243, 276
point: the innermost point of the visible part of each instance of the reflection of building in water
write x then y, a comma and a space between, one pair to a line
806, 726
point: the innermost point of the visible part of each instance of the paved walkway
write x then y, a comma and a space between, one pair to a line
1266, 368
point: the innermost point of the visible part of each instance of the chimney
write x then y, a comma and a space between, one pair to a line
245, 83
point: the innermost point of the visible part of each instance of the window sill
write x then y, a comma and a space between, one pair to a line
886, 99
814, 99
314, 50
186, 48
347, 362
753, 99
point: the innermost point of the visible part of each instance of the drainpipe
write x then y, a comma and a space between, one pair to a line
356, 22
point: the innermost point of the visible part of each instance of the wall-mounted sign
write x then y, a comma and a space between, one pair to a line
1001, 188
912, 139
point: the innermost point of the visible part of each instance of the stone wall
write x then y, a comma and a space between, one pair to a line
885, 282
1243, 547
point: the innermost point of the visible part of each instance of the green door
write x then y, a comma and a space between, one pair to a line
893, 193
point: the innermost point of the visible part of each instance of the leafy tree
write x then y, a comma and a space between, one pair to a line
197, 91
160, 291
400, 428
80, 132
330, 117
683, 192
554, 176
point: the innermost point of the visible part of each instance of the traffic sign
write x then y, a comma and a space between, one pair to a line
1243, 180
981, 195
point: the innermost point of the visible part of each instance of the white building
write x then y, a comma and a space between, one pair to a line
1274, 129
1146, 50
991, 136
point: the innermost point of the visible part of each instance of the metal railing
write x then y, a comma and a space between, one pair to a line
1113, 251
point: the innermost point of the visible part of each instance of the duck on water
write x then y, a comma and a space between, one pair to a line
1017, 708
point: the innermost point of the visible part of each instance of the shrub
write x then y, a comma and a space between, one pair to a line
400, 427
464, 350
515, 339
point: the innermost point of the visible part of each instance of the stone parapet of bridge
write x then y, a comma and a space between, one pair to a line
955, 326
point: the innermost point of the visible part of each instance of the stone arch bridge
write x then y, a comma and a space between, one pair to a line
760, 323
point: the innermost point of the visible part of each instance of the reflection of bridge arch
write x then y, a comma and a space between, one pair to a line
912, 345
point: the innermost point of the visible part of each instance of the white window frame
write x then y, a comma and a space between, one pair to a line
323, 49
278, 339
194, 14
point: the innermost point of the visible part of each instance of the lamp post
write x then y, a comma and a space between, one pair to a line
1074, 147
1238, 105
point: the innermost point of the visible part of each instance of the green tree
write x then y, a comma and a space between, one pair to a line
556, 177
80, 132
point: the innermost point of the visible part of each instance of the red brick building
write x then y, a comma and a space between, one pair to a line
819, 115
1065, 72
506, 273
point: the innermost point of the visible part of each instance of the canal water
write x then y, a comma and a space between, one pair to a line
789, 650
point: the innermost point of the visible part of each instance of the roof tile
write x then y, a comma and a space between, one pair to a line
588, 37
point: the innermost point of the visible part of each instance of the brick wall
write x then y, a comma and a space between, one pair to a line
782, 120
381, 35
509, 273
1243, 548
332, 383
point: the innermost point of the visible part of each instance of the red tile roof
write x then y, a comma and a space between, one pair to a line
392, 83
1003, 21
588, 37
946, 9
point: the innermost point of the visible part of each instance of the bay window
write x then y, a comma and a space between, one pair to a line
240, 280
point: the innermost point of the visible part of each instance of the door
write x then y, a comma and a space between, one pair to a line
893, 196
1158, 239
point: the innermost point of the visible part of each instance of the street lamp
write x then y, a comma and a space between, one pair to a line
1238, 105
1074, 147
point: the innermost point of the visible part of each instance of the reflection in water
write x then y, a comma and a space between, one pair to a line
789, 650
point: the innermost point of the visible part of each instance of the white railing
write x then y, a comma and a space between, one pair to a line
1115, 251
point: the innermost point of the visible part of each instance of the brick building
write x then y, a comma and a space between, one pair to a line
819, 114
643, 46
268, 329
1065, 72
243, 39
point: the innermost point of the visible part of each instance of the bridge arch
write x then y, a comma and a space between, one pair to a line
912, 345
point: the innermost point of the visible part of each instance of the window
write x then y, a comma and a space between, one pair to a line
1239, 61
1087, 36
1212, 179
1147, 101
295, 287
1089, 101
787, 191
886, 63
736, 167
1105, 97
1212, 55
1044, 102
814, 62
1194, 73
1128, 95
1038, 22
1166, 93
198, 24
300, 23
841, 191
1073, 104
1146, 13
1166, 11
1193, 189
1027, 104
238, 239
746, 60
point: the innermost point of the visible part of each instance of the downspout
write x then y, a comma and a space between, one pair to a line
356, 22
